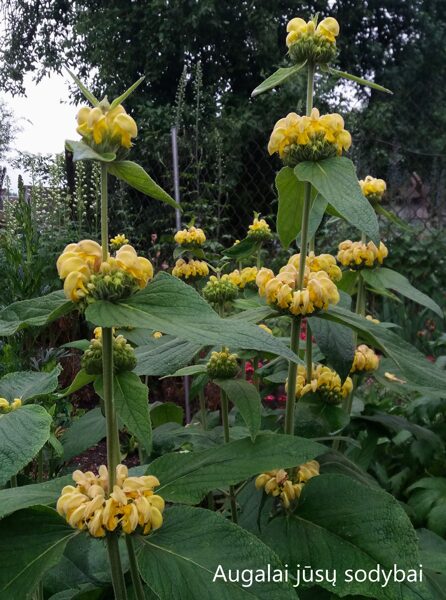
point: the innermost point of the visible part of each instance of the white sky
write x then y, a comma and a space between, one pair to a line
44, 116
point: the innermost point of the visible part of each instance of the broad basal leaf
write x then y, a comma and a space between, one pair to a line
188, 477
165, 356
335, 179
291, 199
16, 498
246, 399
33, 540
28, 384
35, 312
136, 177
336, 342
23, 432
277, 78
171, 306
180, 560
243, 249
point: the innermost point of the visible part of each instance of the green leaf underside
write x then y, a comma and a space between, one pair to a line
342, 524
23, 432
246, 399
85, 432
291, 197
389, 279
28, 384
335, 179
336, 342
244, 249
191, 370
35, 312
359, 80
82, 151
171, 306
167, 412
33, 540
131, 398
165, 356
412, 364
16, 498
136, 177
120, 99
188, 477
179, 560
277, 78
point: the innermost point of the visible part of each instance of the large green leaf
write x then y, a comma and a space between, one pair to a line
171, 306
359, 80
336, 342
246, 398
314, 418
28, 384
291, 198
393, 218
166, 412
389, 279
35, 312
335, 179
412, 364
33, 540
81, 379
188, 477
86, 431
136, 177
120, 99
16, 498
23, 432
317, 213
164, 356
277, 78
243, 249
131, 397
86, 92
82, 151
179, 561
341, 525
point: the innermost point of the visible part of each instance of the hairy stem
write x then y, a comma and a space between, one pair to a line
224, 404
292, 375
134, 571
116, 568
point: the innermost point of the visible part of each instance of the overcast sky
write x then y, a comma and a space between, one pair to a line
44, 116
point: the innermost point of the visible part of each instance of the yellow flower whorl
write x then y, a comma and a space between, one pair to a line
259, 229
365, 359
300, 138
193, 236
89, 506
306, 41
281, 291
360, 255
320, 262
104, 129
6, 406
373, 189
325, 381
244, 277
277, 482
118, 241
190, 269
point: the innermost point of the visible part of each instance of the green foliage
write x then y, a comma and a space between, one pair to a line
246, 399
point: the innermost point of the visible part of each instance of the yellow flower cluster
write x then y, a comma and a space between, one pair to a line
278, 483
281, 291
6, 407
372, 319
365, 359
312, 42
265, 328
157, 335
325, 381
106, 129
87, 276
320, 262
357, 255
299, 138
242, 278
89, 506
259, 230
193, 236
373, 189
190, 269
118, 241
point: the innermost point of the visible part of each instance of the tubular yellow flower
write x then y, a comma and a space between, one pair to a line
321, 262
373, 189
365, 359
325, 382
157, 335
244, 277
306, 41
124, 129
106, 130
277, 483
329, 29
118, 241
300, 138
6, 407
259, 230
131, 505
190, 269
193, 236
360, 255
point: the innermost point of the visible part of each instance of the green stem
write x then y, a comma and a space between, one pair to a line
203, 411
40, 466
134, 571
113, 450
259, 257
255, 377
116, 568
309, 353
292, 375
224, 405
13, 481
360, 297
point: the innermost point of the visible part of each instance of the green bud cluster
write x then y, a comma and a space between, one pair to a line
329, 396
110, 286
124, 358
317, 149
312, 48
222, 365
218, 291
